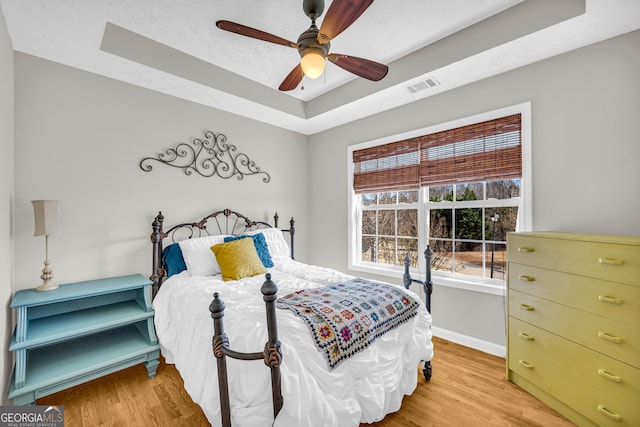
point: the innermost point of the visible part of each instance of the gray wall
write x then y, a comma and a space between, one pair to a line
585, 125
6, 201
80, 138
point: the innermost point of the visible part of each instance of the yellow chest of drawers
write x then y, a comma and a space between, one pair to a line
573, 324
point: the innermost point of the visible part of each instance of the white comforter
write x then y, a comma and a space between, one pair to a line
361, 389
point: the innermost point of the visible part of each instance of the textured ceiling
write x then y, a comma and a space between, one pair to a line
174, 47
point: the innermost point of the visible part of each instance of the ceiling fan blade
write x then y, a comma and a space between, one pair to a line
361, 67
293, 79
341, 14
252, 32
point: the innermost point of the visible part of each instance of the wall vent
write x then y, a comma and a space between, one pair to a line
427, 83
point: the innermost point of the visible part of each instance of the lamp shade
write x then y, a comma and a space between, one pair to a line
45, 213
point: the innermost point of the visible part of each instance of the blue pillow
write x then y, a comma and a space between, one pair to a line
261, 247
173, 260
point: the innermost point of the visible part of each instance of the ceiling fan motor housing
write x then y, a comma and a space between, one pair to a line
308, 42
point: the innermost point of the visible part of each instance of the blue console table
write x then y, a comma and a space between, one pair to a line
79, 332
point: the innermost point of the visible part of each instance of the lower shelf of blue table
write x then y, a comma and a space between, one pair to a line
62, 365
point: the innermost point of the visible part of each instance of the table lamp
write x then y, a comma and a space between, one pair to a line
46, 223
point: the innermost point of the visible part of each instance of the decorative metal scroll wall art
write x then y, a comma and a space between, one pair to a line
207, 157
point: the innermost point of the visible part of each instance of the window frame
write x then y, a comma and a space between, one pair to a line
461, 281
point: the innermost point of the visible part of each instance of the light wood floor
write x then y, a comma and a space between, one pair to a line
467, 389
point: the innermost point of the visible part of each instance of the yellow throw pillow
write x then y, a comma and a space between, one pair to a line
238, 259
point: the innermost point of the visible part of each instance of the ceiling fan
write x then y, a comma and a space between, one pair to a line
314, 44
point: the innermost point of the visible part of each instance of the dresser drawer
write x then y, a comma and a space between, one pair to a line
599, 387
604, 298
618, 340
609, 261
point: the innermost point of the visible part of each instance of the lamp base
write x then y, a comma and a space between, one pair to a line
47, 286
46, 276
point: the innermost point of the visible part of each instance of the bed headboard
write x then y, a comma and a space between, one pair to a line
224, 222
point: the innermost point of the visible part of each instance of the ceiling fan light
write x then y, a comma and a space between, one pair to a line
312, 64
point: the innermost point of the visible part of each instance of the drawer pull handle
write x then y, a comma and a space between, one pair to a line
609, 376
527, 307
609, 337
527, 278
525, 364
526, 336
610, 300
526, 249
608, 413
610, 261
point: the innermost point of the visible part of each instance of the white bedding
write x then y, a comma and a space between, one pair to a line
361, 389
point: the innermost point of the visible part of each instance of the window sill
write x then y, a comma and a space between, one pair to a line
494, 287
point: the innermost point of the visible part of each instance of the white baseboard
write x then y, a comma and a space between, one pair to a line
467, 341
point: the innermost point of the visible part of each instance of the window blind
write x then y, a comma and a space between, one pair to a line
479, 152
389, 167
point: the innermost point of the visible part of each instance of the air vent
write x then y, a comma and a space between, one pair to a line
427, 83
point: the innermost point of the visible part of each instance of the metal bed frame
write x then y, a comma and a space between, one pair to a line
231, 222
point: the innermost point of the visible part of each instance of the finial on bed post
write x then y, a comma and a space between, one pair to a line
275, 220
156, 240
272, 353
219, 341
292, 232
406, 277
428, 284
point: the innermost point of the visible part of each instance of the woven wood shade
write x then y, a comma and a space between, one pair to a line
388, 167
483, 151
480, 152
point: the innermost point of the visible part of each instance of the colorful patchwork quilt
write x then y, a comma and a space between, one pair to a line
346, 317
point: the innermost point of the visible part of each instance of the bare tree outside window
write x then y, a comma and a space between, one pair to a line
390, 228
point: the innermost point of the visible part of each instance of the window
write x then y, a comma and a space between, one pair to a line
389, 227
457, 187
468, 224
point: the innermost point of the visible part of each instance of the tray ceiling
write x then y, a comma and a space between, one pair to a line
431, 45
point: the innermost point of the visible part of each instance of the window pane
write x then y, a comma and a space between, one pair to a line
408, 196
387, 223
408, 247
440, 193
408, 222
505, 222
387, 198
368, 249
468, 258
469, 223
442, 258
496, 260
440, 223
472, 191
505, 189
369, 199
369, 222
386, 250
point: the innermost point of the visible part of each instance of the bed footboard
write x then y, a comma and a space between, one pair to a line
427, 285
271, 354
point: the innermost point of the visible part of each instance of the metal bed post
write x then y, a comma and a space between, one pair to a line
427, 285
271, 355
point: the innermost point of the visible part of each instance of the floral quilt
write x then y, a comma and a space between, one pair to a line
346, 317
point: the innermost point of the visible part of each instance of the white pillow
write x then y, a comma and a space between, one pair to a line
198, 257
275, 240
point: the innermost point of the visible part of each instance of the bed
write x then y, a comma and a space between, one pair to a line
192, 286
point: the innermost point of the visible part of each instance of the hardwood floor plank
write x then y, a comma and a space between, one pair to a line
468, 388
